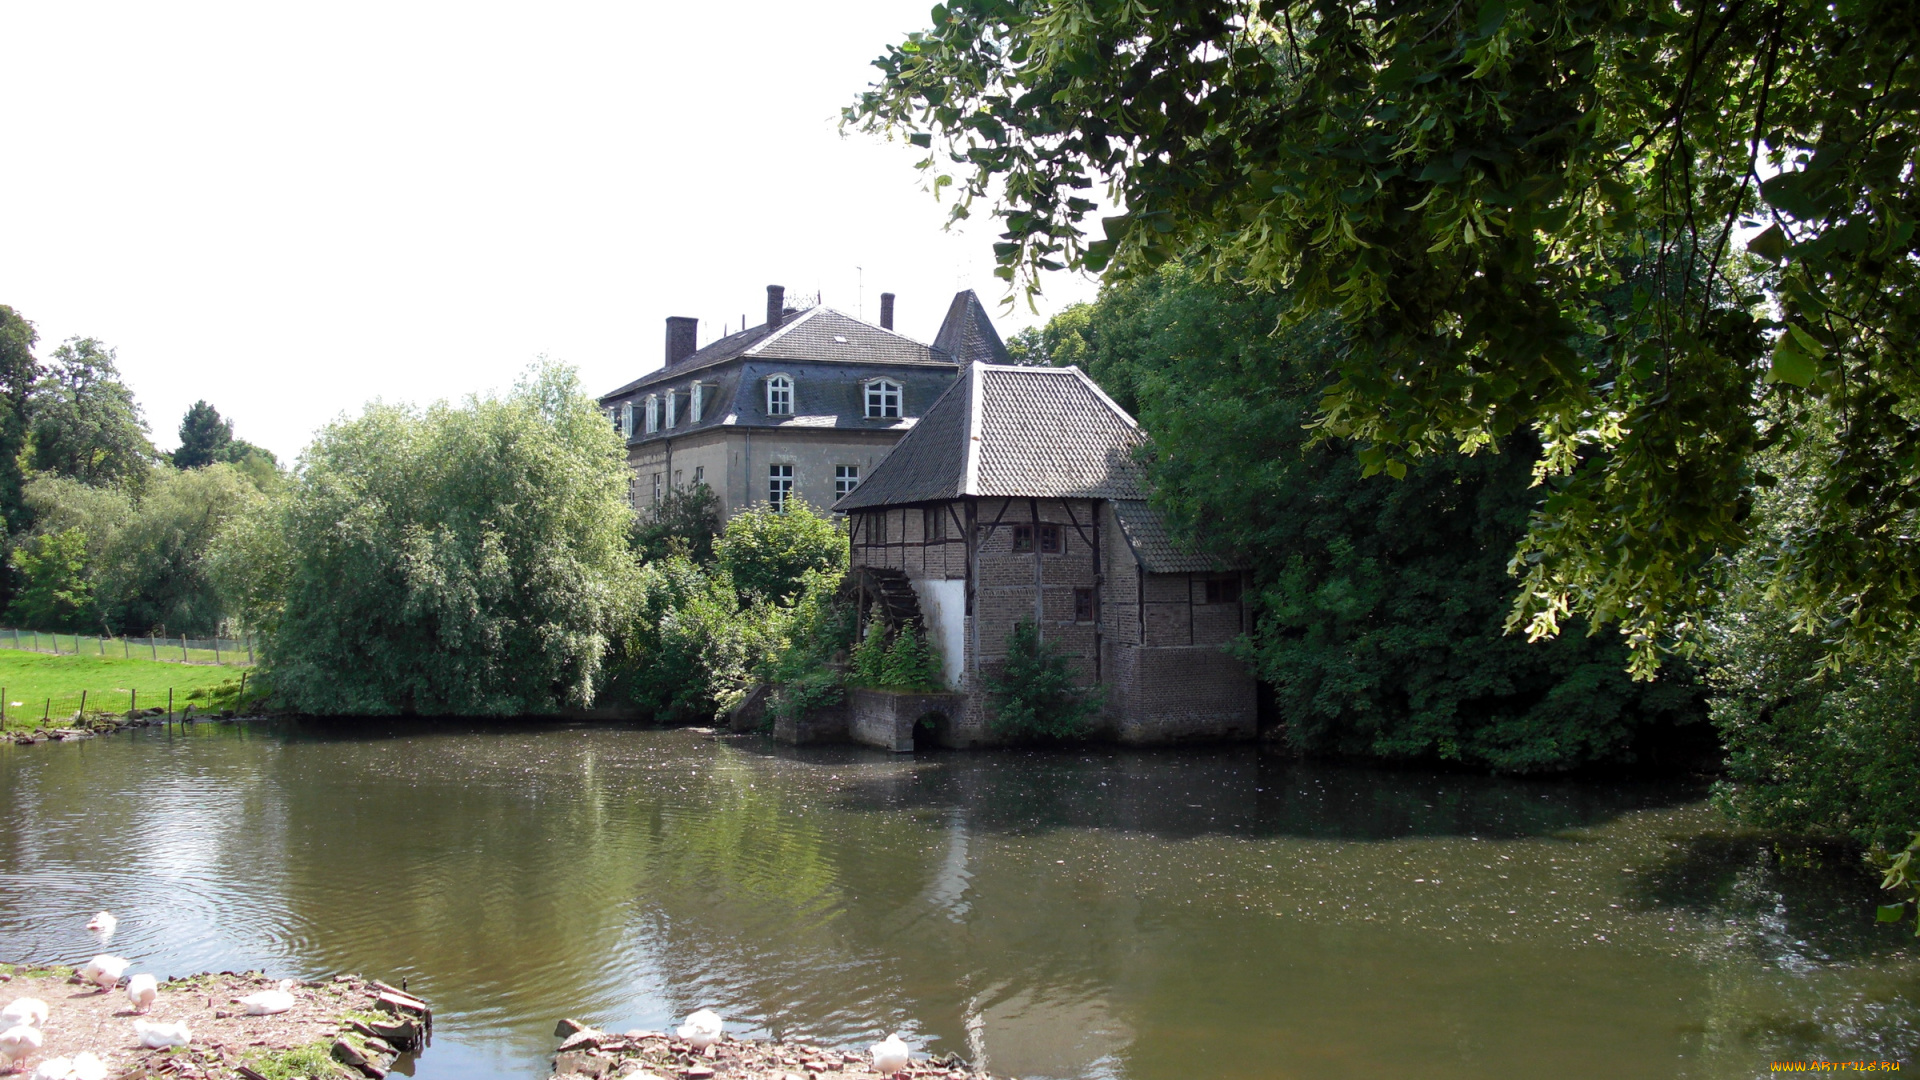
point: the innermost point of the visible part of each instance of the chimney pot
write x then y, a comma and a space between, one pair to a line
776, 305
886, 311
683, 336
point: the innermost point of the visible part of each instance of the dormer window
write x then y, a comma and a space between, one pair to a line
779, 395
653, 413
697, 398
883, 399
626, 419
673, 406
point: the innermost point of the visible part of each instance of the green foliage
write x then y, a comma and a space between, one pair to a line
313, 1061
767, 553
466, 560
56, 589
1458, 184
1902, 876
1380, 604
19, 370
1035, 693
204, 437
84, 423
911, 662
685, 521
867, 664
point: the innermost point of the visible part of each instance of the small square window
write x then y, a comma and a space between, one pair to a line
933, 523
1022, 538
1050, 540
1223, 590
845, 479
1083, 605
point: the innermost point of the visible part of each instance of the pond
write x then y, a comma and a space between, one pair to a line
1098, 914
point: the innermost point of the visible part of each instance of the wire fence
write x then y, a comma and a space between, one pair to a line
27, 710
179, 650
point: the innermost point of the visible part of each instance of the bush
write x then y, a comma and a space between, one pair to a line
869, 659
911, 662
1034, 695
767, 553
56, 589
685, 521
466, 560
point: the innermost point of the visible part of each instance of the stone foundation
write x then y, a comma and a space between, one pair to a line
886, 718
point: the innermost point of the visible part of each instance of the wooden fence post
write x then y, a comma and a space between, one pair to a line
153, 645
183, 648
216, 649
169, 706
82, 714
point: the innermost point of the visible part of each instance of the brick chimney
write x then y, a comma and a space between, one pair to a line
682, 338
776, 305
886, 311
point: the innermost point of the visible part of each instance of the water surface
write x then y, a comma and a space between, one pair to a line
1116, 914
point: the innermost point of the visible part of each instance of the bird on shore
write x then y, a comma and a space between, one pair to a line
53, 1069
158, 1036
29, 1011
891, 1056
104, 923
16, 1043
87, 1066
269, 1002
104, 971
702, 1029
142, 990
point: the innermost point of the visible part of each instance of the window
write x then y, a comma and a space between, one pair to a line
626, 419
845, 479
1049, 539
1083, 605
933, 523
779, 396
679, 478
653, 413
696, 401
673, 402
1223, 590
883, 398
779, 486
699, 474
613, 417
656, 487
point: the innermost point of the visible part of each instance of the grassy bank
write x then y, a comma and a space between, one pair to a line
45, 685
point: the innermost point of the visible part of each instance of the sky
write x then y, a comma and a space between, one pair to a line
290, 210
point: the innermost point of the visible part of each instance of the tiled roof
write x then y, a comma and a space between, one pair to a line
818, 333
968, 335
1026, 432
1146, 533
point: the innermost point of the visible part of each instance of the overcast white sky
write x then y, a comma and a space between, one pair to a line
289, 210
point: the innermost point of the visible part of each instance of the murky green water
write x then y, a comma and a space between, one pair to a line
1105, 914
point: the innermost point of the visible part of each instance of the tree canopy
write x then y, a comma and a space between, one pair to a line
18, 371
206, 437
84, 422
1527, 215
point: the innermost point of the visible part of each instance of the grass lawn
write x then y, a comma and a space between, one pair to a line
31, 678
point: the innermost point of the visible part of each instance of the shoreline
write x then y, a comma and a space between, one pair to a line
338, 1028
588, 1054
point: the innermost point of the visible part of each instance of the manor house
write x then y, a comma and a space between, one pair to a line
1019, 496
802, 406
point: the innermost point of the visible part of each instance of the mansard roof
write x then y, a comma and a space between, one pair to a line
1023, 432
817, 333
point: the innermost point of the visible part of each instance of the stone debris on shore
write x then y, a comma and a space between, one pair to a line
100, 723
587, 1054
346, 1026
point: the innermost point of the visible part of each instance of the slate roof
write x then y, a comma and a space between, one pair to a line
1026, 432
1146, 533
816, 333
967, 334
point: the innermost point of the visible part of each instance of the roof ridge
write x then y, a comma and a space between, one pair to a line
785, 325
970, 469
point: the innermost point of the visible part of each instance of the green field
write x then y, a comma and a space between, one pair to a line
31, 679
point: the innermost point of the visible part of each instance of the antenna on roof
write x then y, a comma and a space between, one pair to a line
860, 293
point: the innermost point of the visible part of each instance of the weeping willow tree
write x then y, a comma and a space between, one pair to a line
467, 559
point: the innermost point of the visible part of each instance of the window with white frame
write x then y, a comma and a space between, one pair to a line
779, 395
673, 406
653, 413
845, 479
656, 487
883, 398
626, 419
699, 474
696, 398
779, 486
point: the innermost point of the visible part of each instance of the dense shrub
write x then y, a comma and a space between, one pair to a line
56, 584
685, 521
453, 560
768, 552
1035, 694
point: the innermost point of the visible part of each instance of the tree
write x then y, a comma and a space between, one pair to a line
156, 571
1462, 185
84, 422
767, 552
467, 560
204, 437
56, 588
18, 372
1034, 694
1379, 604
685, 521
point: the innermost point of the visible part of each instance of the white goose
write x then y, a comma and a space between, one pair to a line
104, 923
104, 971
270, 1002
16, 1043
158, 1036
53, 1069
702, 1029
87, 1066
891, 1056
142, 989
29, 1011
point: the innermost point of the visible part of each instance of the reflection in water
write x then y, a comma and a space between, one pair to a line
1101, 914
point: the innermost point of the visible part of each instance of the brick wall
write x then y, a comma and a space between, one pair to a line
1179, 693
